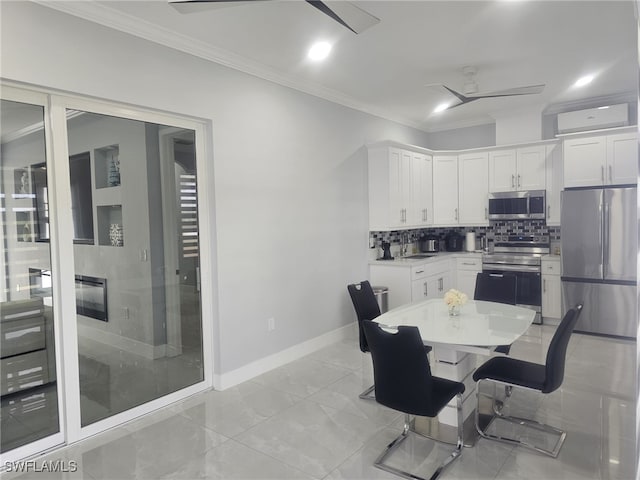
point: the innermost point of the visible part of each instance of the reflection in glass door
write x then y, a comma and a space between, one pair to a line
28, 383
134, 212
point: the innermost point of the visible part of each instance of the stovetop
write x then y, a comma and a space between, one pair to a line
518, 249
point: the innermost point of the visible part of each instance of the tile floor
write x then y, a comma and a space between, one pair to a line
305, 421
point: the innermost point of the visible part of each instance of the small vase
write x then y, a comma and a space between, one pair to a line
454, 310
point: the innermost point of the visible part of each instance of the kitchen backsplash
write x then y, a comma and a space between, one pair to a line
508, 227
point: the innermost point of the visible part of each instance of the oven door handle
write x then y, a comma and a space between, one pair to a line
510, 268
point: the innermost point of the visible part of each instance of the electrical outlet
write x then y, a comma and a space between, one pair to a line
271, 324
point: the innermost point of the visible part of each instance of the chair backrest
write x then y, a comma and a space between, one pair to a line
401, 371
365, 305
494, 287
556, 355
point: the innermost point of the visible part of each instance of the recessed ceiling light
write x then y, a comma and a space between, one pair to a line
582, 81
319, 51
603, 108
441, 108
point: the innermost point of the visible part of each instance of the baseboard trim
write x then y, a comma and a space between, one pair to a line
258, 367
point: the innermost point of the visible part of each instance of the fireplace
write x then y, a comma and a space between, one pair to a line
91, 292
91, 297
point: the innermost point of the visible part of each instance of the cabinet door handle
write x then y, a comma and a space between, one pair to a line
420, 271
456, 213
548, 211
610, 174
486, 213
513, 181
544, 285
426, 290
440, 284
519, 182
602, 172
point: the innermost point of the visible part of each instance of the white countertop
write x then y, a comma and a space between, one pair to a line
408, 262
484, 324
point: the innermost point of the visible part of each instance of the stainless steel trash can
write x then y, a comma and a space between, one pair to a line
382, 296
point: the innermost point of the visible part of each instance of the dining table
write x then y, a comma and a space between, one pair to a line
459, 343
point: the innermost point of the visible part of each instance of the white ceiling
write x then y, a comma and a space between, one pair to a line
385, 69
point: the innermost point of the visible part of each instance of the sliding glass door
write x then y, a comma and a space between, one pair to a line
29, 395
102, 255
136, 261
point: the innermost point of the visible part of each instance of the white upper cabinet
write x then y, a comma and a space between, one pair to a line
622, 158
445, 190
531, 167
601, 160
400, 188
473, 190
502, 171
422, 189
517, 169
554, 183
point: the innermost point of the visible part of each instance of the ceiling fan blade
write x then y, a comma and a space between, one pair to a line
463, 98
347, 14
509, 92
193, 6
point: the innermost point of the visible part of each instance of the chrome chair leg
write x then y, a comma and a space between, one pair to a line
379, 463
497, 413
368, 394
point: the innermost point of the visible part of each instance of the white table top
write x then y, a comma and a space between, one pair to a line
483, 324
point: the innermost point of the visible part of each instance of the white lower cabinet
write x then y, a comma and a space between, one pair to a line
467, 270
551, 288
412, 283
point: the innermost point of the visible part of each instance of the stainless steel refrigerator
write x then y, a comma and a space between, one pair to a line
599, 255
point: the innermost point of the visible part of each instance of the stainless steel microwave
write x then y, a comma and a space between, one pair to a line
528, 204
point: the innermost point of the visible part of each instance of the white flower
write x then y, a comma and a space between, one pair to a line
455, 298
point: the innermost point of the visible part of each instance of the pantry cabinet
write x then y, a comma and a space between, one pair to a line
517, 169
400, 188
600, 159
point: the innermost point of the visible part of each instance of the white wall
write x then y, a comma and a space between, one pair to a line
289, 168
462, 138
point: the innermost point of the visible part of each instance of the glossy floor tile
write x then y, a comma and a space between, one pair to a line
305, 421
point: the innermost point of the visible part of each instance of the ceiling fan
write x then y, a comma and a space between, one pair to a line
345, 13
471, 90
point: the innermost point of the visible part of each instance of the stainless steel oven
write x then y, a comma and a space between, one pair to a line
521, 256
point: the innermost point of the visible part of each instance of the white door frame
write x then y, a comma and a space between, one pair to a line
62, 257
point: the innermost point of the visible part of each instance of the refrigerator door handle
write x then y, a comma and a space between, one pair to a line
607, 239
601, 234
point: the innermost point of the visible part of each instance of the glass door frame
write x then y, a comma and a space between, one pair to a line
57, 439
62, 256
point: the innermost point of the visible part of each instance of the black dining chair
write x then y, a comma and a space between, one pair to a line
367, 308
496, 287
403, 382
519, 373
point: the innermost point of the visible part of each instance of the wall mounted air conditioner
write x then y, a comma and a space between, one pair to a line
594, 118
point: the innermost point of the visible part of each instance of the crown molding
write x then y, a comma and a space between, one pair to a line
111, 18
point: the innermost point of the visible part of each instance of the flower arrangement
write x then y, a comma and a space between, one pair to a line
454, 299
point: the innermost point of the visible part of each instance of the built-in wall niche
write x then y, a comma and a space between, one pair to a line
110, 228
107, 166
